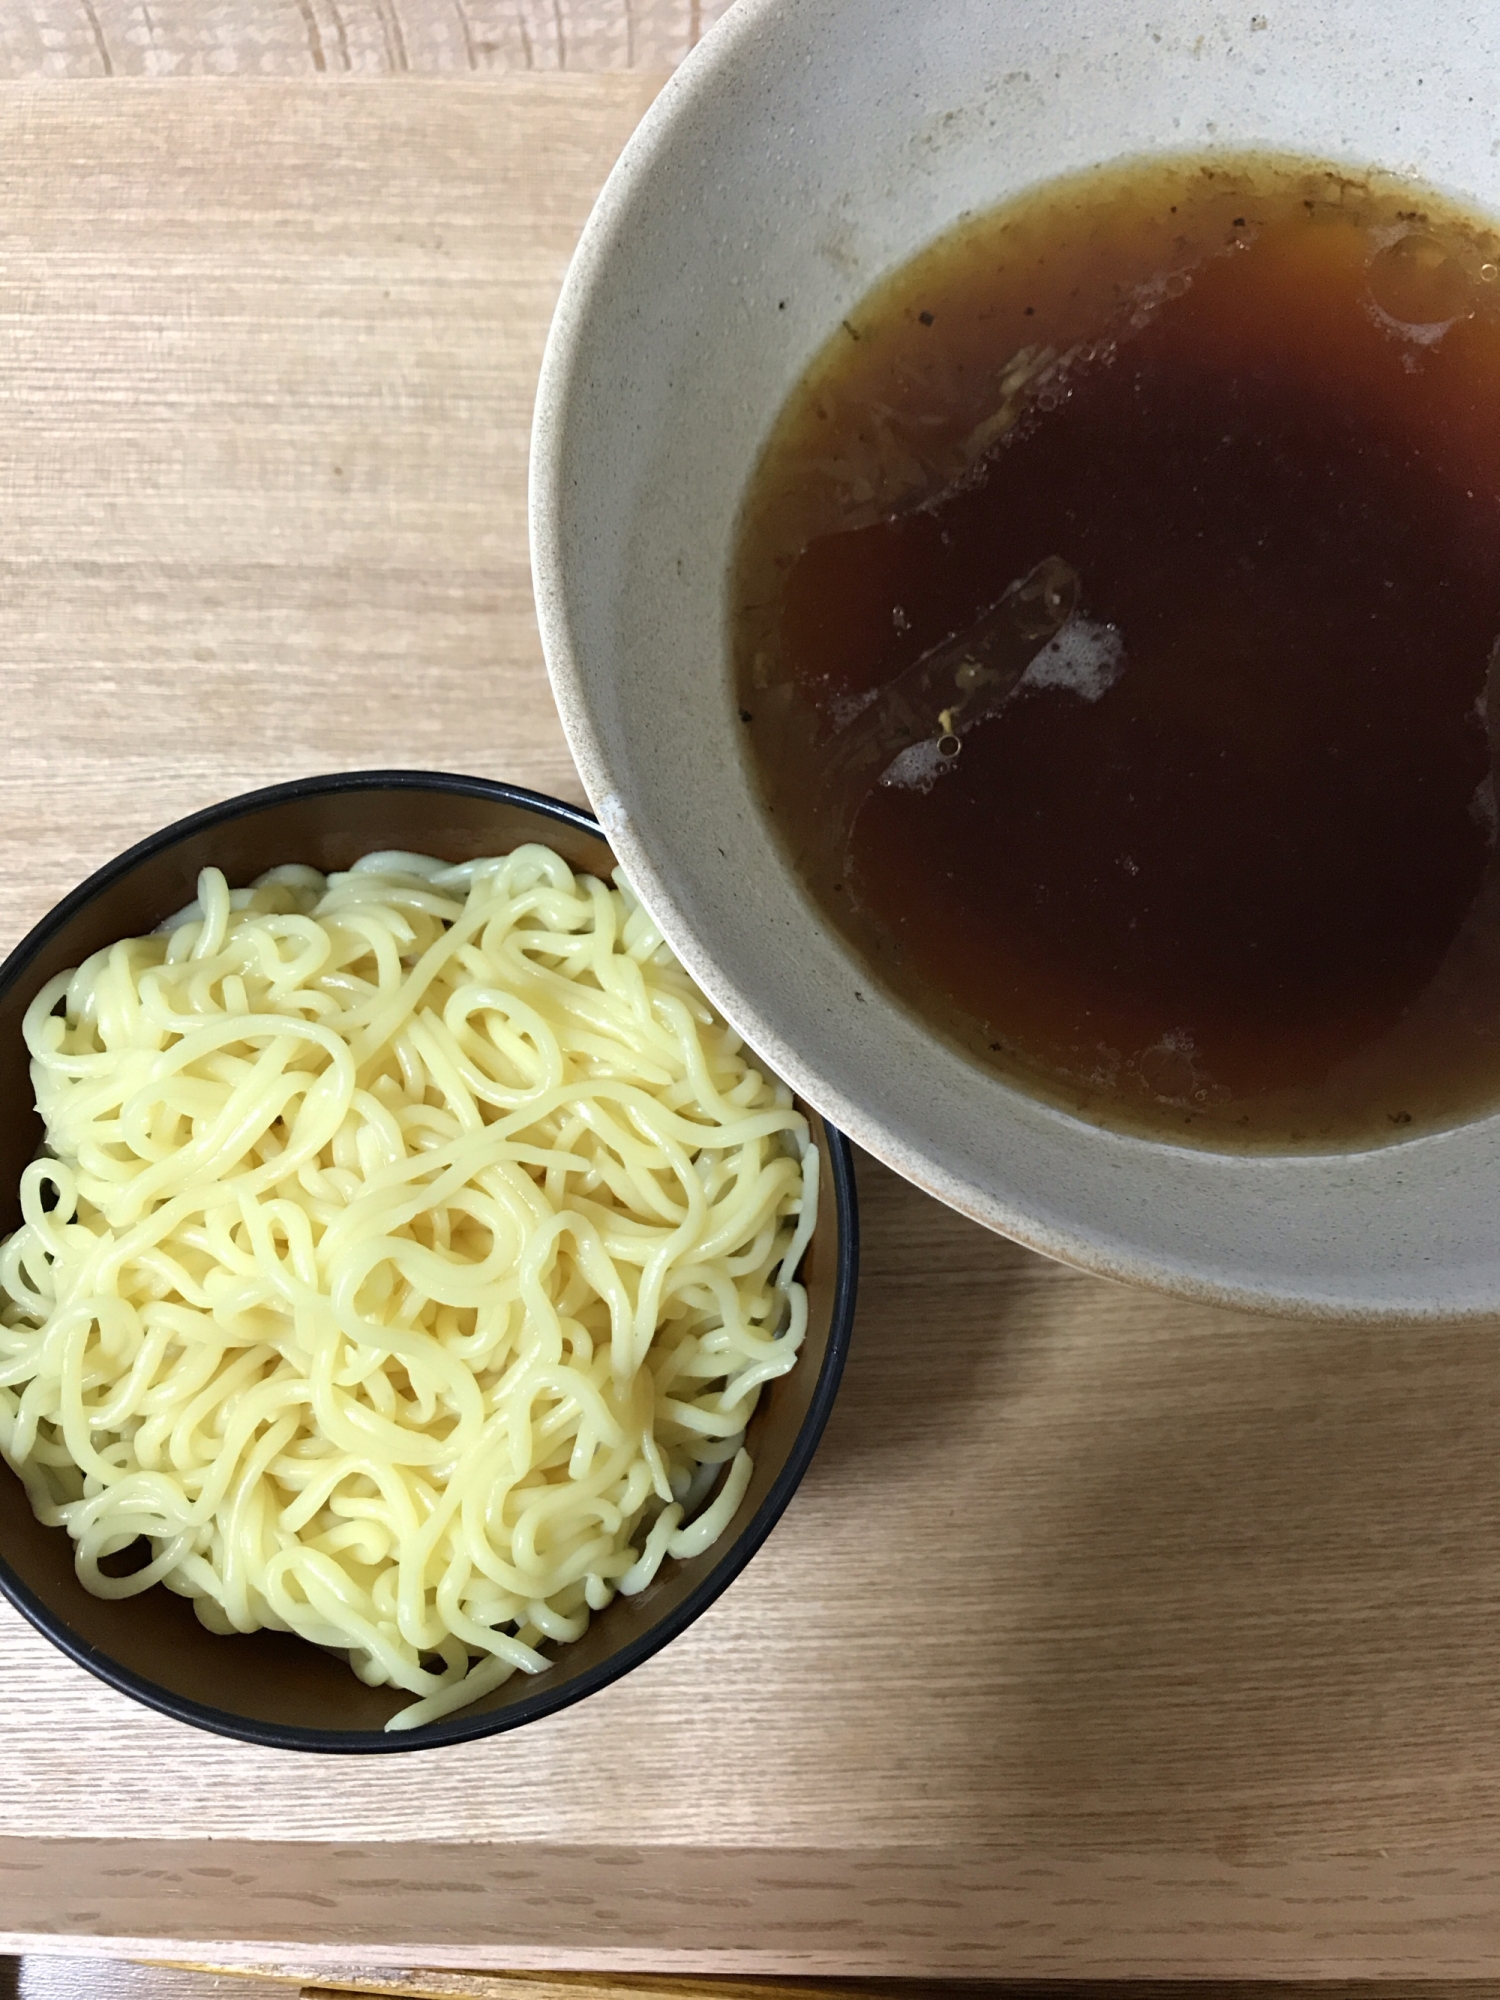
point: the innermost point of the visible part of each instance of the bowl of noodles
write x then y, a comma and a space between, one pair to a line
416, 1304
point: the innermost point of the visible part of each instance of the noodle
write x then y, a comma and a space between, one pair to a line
407, 1257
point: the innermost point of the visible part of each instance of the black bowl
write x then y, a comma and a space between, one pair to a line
268, 1687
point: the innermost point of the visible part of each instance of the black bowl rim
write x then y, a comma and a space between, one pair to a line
457, 1728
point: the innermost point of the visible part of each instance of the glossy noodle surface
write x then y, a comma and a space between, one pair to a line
408, 1254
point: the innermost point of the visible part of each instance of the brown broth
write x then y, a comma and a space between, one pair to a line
1195, 832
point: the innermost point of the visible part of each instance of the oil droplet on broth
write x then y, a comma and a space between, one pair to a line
1417, 282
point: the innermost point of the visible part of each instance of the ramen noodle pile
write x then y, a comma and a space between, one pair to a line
408, 1252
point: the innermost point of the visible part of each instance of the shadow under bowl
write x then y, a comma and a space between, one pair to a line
268, 1687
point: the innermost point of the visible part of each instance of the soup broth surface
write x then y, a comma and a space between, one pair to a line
1115, 619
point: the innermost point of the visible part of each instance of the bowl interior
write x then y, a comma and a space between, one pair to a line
806, 151
270, 1686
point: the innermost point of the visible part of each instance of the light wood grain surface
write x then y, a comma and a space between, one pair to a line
64, 1977
105, 1979
297, 38
267, 355
1107, 1634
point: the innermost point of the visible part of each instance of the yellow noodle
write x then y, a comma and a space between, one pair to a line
409, 1252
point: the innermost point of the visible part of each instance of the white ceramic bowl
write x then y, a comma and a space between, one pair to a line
807, 149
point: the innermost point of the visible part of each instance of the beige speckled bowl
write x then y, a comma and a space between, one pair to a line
808, 148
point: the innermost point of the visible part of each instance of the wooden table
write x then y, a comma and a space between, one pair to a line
1107, 1634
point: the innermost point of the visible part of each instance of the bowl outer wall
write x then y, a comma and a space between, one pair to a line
807, 149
